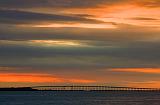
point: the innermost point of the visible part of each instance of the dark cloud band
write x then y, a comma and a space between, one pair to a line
54, 3
23, 17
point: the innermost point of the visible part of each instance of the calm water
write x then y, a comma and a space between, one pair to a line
79, 98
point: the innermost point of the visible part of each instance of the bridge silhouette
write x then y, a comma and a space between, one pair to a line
91, 88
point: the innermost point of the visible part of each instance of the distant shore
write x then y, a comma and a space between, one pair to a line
18, 89
32, 89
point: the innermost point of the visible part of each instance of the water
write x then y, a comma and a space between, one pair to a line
78, 98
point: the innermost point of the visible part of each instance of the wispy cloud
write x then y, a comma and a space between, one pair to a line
23, 17
145, 18
149, 84
137, 70
38, 78
55, 3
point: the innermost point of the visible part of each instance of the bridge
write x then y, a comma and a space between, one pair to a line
91, 88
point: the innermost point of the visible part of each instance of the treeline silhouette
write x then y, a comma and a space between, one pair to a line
18, 89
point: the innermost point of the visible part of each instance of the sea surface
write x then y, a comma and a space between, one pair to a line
78, 98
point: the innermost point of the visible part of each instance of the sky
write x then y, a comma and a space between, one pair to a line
76, 42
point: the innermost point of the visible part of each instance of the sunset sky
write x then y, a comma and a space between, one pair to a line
80, 42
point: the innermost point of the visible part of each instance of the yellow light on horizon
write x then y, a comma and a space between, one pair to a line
77, 25
47, 43
56, 42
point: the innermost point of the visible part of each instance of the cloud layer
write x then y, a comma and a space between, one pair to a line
102, 41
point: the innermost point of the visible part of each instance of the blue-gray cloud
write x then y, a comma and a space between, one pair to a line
23, 17
130, 55
124, 35
54, 3
69, 3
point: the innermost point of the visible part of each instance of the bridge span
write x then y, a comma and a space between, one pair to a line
91, 88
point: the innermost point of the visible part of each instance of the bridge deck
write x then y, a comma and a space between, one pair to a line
92, 88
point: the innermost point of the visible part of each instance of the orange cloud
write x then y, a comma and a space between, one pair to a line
38, 78
27, 77
123, 12
81, 81
139, 70
148, 3
149, 84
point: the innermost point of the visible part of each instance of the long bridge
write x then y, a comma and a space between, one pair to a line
91, 88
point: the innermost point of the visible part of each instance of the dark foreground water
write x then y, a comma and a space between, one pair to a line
79, 98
